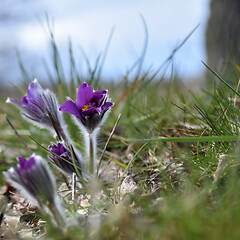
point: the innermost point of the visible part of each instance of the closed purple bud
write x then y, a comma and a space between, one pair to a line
34, 180
61, 156
40, 107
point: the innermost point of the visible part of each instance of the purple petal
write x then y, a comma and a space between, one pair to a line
30, 163
34, 89
53, 148
63, 155
60, 148
18, 171
90, 112
101, 92
107, 105
29, 103
24, 99
19, 103
98, 97
84, 95
33, 93
71, 108
22, 162
25, 164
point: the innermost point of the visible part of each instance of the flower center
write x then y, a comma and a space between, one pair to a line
85, 107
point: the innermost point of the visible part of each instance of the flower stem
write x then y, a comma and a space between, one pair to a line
58, 217
91, 154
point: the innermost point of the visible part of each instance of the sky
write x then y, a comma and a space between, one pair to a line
89, 24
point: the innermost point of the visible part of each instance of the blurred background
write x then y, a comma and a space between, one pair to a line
94, 25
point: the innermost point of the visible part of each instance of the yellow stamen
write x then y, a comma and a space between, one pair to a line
85, 107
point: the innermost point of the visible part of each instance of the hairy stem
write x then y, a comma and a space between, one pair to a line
91, 154
58, 217
90, 139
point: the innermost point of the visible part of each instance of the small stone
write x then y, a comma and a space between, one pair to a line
128, 185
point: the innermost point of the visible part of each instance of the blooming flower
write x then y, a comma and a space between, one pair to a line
90, 106
40, 107
61, 156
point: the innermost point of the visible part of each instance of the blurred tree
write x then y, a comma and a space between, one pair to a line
223, 36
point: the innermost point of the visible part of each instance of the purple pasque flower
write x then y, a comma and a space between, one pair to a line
61, 156
90, 106
40, 107
34, 180
32, 105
